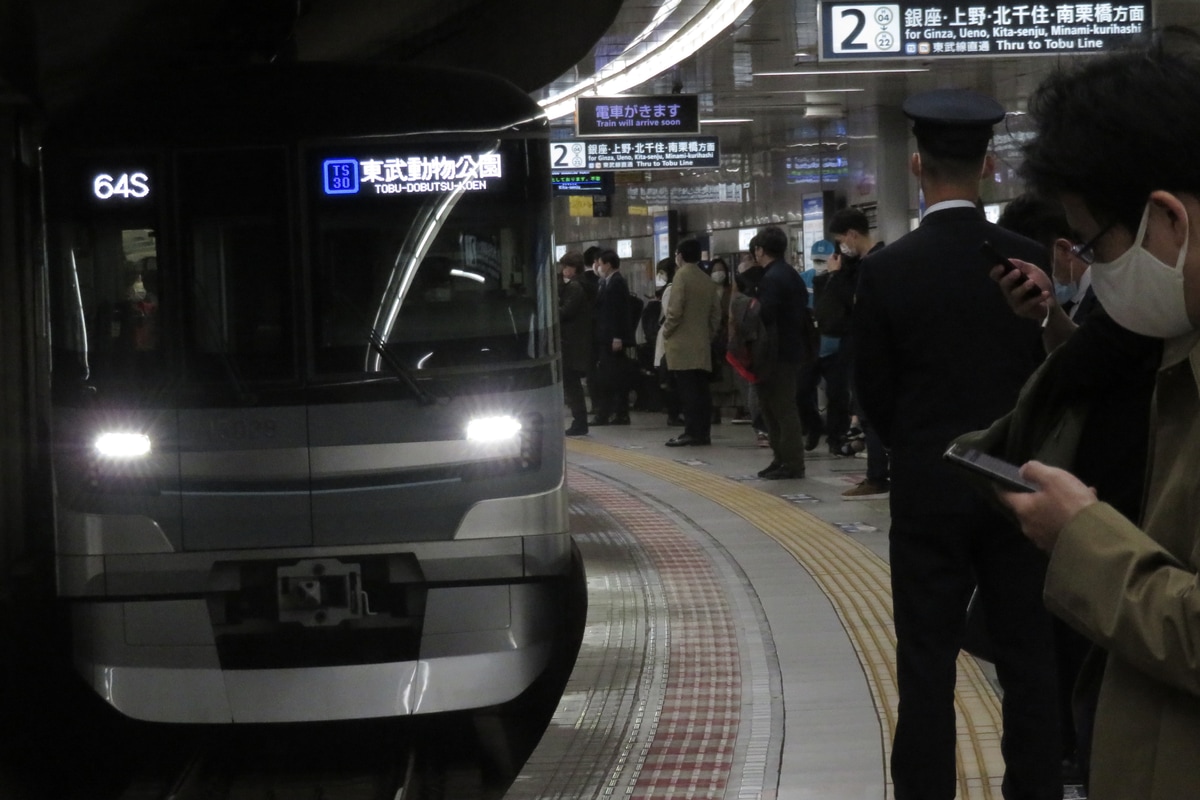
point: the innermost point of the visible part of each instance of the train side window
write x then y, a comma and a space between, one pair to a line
239, 285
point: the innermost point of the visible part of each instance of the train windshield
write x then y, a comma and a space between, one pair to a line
189, 271
428, 256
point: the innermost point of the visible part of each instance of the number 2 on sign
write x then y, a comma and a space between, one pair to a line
866, 29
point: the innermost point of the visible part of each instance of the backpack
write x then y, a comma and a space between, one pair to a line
753, 347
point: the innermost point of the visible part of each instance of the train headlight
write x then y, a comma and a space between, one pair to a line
493, 429
123, 445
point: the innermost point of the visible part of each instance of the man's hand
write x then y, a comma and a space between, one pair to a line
1044, 513
617, 345
1016, 285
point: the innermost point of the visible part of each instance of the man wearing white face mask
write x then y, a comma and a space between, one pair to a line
1135, 591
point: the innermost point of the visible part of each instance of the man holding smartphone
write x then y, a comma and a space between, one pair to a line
938, 353
1133, 590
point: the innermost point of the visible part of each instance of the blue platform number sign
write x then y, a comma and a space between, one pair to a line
341, 176
867, 29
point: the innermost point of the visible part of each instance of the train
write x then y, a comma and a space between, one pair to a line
306, 414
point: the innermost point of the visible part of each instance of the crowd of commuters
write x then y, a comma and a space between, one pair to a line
1078, 358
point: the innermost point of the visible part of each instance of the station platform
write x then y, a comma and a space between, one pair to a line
739, 639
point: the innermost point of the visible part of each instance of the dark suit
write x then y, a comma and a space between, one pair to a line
939, 353
613, 321
575, 316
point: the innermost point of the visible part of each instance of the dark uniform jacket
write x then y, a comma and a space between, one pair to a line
938, 352
575, 314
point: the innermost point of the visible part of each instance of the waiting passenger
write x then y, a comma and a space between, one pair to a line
693, 317
936, 353
575, 314
613, 333
784, 302
1134, 591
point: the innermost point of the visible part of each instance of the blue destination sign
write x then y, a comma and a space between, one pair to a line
637, 115
621, 153
977, 28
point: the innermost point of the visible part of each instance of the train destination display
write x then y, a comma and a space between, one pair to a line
417, 174
979, 28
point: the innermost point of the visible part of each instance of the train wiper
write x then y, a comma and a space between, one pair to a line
424, 398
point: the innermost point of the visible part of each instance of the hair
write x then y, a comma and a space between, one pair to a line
1090, 113
689, 251
611, 258
571, 258
1039, 218
667, 265
591, 254
772, 240
718, 260
849, 219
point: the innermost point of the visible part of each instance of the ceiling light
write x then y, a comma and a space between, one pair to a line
729, 121
841, 72
629, 70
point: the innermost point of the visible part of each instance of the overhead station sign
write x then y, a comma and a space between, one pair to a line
977, 28
637, 115
644, 153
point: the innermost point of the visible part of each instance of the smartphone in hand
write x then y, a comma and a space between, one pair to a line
1006, 474
995, 257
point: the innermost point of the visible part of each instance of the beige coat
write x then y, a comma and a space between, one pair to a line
1137, 594
692, 319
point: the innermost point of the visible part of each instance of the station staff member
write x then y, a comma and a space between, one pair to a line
939, 354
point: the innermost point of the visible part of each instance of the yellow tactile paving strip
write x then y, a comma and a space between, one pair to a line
857, 583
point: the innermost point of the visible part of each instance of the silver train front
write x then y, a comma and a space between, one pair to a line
329, 570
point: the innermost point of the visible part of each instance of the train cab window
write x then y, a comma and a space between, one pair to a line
107, 303
238, 285
446, 278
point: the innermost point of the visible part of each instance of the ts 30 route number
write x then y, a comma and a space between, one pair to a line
863, 29
568, 155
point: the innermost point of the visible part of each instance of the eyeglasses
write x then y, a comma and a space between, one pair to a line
1086, 252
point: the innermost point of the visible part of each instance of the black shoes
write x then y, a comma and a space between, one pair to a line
577, 430
621, 419
811, 440
598, 422
686, 440
774, 465
783, 474
675, 421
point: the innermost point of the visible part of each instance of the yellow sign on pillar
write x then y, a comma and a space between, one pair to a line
581, 205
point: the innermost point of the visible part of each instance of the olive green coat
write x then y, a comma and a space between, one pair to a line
692, 320
1136, 593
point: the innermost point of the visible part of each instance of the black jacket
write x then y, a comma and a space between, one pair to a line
613, 319
784, 300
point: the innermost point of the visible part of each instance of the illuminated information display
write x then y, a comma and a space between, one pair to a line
418, 174
637, 114
978, 28
624, 153
582, 182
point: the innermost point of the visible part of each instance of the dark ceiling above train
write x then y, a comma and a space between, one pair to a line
52, 50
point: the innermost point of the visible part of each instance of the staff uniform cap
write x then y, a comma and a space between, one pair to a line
953, 123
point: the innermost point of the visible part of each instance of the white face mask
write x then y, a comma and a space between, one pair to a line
660, 280
846, 249
719, 277
1142, 293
